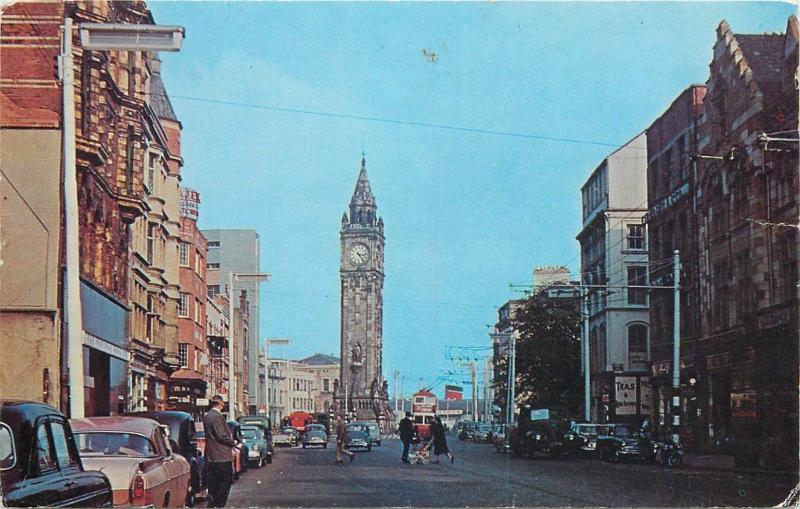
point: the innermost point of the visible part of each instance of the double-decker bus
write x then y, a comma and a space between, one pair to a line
298, 420
423, 409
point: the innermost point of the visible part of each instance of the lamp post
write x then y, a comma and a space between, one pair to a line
267, 342
94, 36
255, 276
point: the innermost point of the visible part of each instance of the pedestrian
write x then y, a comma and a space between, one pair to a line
439, 440
341, 441
406, 431
218, 453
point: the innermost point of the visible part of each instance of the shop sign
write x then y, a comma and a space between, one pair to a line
626, 388
190, 201
540, 414
201, 402
645, 396
667, 202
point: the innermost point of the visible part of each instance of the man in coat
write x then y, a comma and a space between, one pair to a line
406, 431
341, 441
219, 456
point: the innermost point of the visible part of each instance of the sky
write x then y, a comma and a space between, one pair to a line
266, 93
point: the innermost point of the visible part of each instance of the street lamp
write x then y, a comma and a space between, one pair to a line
267, 342
257, 277
96, 36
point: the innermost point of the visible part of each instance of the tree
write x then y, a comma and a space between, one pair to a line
547, 354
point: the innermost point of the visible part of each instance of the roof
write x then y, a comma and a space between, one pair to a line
121, 423
320, 359
764, 55
159, 100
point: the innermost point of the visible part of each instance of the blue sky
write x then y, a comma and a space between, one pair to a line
466, 213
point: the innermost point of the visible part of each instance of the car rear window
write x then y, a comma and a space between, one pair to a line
114, 444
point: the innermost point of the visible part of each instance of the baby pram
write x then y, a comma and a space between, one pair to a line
422, 455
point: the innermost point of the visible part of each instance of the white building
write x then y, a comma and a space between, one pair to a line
614, 254
301, 386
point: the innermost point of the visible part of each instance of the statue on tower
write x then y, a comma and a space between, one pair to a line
355, 358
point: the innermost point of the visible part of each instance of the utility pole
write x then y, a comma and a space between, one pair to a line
396, 375
486, 410
512, 379
587, 398
676, 352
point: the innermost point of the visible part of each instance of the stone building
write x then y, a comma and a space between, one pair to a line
238, 251
241, 354
744, 369
614, 257
116, 126
154, 277
189, 383
361, 386
324, 370
671, 225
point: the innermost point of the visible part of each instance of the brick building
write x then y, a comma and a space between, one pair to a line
671, 224
745, 365
190, 382
116, 128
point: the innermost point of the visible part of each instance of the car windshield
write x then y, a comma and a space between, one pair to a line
251, 433
315, 427
485, 428
7, 458
114, 444
288, 430
356, 433
589, 431
623, 431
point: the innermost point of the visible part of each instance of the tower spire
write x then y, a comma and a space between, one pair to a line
362, 204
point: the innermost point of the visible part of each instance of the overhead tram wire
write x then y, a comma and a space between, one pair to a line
411, 123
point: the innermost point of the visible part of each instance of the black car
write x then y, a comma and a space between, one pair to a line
624, 442
183, 440
552, 437
39, 461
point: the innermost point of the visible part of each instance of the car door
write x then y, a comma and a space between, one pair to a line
174, 469
43, 484
84, 489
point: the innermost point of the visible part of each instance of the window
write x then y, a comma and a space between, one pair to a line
213, 243
150, 320
44, 451
129, 153
326, 385
8, 456
64, 453
184, 254
635, 236
151, 234
213, 291
183, 354
637, 347
150, 179
183, 305
213, 265
637, 276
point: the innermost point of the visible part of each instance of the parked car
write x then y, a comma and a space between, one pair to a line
31, 474
315, 435
259, 447
358, 437
182, 436
624, 442
482, 433
467, 430
552, 437
374, 431
261, 420
589, 433
287, 437
240, 451
135, 454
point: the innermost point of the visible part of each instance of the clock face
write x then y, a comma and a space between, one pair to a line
359, 254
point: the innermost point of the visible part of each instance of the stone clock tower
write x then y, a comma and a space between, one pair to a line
361, 385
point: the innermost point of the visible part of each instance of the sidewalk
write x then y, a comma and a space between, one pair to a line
726, 463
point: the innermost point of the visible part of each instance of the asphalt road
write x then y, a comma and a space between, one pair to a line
482, 477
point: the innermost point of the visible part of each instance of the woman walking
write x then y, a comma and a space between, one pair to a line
439, 440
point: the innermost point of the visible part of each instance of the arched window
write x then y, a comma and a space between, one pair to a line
637, 347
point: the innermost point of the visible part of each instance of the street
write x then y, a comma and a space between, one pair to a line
481, 477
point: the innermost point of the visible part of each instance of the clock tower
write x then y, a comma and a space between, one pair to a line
361, 386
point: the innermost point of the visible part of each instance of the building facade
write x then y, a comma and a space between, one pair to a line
324, 370
614, 262
217, 327
744, 370
361, 387
189, 383
116, 127
155, 240
672, 225
238, 251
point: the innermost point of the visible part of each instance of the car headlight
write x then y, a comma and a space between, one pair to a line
537, 436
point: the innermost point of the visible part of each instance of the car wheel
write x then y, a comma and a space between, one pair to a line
324, 446
304, 446
673, 460
615, 457
269, 459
